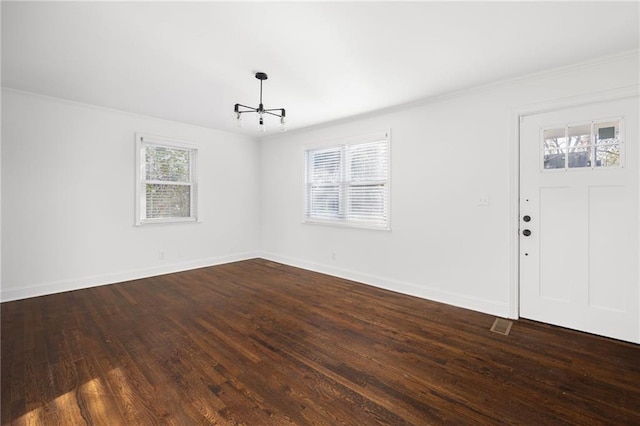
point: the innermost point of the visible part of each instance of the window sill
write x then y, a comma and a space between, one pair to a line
166, 221
347, 224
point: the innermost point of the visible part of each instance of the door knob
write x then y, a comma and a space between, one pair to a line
526, 218
526, 232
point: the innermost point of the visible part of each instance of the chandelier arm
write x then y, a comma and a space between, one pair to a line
268, 111
252, 109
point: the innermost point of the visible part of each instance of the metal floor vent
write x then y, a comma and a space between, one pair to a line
501, 326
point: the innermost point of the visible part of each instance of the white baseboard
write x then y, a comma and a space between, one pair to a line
42, 289
491, 307
486, 306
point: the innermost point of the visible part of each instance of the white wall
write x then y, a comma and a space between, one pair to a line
445, 154
68, 195
68, 198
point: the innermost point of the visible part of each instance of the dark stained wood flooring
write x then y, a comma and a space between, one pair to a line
258, 343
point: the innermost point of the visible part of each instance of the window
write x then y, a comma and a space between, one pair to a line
348, 184
591, 145
166, 184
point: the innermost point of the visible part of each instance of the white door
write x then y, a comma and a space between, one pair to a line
579, 218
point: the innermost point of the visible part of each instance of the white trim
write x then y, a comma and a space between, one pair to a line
80, 104
167, 221
350, 140
514, 222
402, 107
347, 224
628, 54
487, 306
162, 141
465, 301
41, 289
519, 114
578, 100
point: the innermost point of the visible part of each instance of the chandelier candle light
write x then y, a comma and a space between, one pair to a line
260, 110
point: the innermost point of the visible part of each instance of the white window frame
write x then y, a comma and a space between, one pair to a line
344, 221
142, 141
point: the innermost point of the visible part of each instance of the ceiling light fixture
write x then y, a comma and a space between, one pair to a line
260, 110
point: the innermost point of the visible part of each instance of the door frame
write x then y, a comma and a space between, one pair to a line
518, 114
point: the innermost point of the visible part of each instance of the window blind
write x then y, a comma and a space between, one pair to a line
349, 183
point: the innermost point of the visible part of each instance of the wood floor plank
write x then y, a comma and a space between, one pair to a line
260, 343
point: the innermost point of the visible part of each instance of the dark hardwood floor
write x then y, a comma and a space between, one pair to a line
258, 343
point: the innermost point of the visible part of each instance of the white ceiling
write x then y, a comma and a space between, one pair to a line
191, 62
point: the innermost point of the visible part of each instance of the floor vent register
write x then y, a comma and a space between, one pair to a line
501, 326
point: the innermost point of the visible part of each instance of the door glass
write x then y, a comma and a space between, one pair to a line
579, 146
554, 148
607, 149
589, 145
608, 155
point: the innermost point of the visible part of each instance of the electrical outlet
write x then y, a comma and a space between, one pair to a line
160, 255
483, 200
333, 256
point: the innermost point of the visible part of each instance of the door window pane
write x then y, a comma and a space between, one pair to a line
607, 149
579, 146
608, 156
555, 148
580, 157
608, 132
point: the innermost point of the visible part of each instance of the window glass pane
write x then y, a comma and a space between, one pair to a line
607, 136
555, 139
168, 201
580, 157
324, 201
368, 161
607, 155
367, 202
579, 146
579, 135
167, 164
607, 133
554, 148
554, 160
324, 165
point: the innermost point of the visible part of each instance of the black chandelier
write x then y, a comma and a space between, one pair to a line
261, 110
